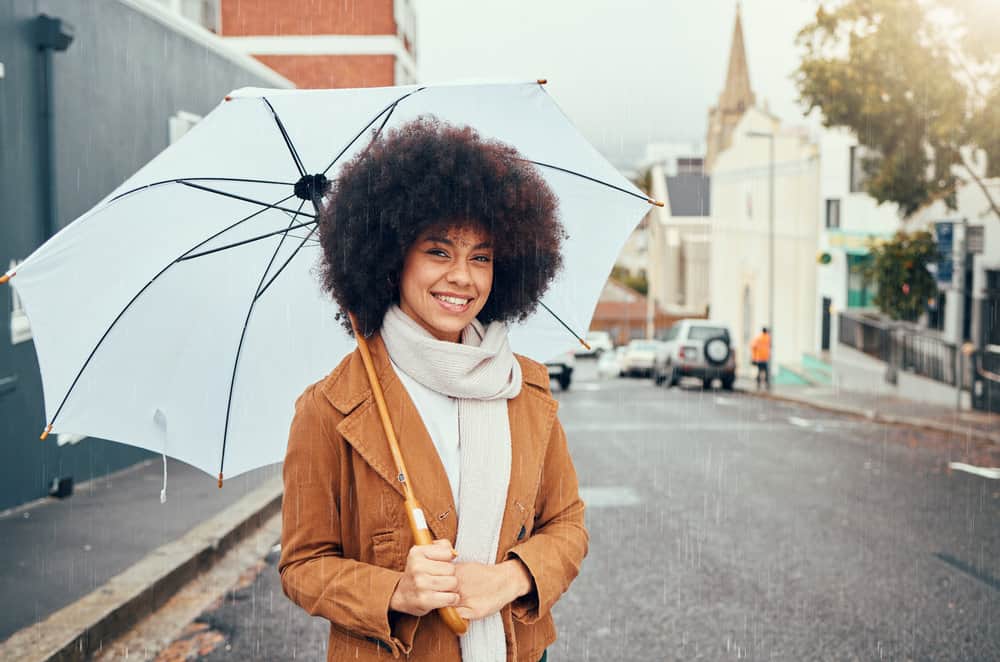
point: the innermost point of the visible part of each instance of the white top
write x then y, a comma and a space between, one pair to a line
439, 414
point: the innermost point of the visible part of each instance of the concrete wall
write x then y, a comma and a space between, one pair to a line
130, 67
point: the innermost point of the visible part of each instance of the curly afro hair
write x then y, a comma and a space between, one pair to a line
425, 175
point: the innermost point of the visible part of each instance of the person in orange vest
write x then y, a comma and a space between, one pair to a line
760, 355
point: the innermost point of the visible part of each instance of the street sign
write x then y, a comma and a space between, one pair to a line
974, 239
944, 232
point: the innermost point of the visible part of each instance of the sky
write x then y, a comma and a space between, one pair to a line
627, 72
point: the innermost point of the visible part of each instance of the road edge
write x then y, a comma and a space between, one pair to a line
886, 419
76, 631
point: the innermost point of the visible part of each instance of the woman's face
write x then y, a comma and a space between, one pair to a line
446, 279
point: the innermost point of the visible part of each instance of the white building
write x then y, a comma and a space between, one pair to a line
742, 237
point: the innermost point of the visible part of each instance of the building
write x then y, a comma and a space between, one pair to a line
347, 43
850, 220
107, 105
736, 98
742, 238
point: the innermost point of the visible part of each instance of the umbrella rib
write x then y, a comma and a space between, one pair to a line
388, 109
558, 319
588, 177
152, 280
243, 334
288, 140
246, 199
260, 293
250, 240
199, 179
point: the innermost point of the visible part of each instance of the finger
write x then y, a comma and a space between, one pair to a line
438, 599
431, 567
447, 544
465, 613
438, 552
448, 584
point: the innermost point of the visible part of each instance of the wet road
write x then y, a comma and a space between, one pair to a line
725, 526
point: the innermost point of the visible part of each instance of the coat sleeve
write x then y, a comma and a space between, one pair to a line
352, 595
556, 548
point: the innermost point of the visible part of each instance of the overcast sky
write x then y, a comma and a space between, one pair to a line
627, 72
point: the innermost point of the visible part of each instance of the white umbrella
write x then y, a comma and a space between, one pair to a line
183, 314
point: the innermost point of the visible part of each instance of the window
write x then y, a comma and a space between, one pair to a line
20, 328
833, 213
860, 154
180, 123
860, 291
707, 332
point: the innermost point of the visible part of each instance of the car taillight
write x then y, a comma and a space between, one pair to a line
689, 353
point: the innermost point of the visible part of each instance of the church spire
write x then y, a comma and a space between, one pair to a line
737, 95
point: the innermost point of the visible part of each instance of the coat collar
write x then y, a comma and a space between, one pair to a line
348, 389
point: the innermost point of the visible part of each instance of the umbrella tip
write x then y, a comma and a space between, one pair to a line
543, 81
658, 203
227, 98
45, 432
584, 343
220, 480
7, 276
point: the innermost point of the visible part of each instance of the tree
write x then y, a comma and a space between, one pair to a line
915, 80
636, 283
903, 284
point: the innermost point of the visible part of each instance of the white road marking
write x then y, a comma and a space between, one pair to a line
724, 401
985, 472
609, 497
586, 386
800, 422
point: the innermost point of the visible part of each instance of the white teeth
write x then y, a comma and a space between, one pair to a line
453, 300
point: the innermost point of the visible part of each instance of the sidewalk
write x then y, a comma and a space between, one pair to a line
982, 426
59, 551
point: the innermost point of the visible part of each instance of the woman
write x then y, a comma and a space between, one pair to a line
434, 238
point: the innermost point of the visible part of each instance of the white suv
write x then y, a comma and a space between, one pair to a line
696, 348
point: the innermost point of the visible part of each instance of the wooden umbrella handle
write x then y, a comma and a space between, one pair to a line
414, 513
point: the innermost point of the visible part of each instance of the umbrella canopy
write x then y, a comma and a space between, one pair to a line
183, 313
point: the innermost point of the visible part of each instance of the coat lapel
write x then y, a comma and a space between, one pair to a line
362, 429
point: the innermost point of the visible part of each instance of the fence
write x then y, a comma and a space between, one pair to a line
906, 347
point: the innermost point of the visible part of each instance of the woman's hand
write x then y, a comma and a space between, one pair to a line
429, 580
486, 589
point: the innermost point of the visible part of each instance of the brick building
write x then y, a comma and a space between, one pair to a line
349, 43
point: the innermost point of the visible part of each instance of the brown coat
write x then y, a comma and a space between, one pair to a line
345, 536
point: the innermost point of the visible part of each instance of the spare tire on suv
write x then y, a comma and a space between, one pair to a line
717, 350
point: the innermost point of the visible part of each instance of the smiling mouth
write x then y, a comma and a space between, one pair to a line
453, 304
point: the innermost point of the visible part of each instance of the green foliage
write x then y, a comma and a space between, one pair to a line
899, 269
915, 80
637, 283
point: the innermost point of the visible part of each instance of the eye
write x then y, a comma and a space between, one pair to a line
437, 251
483, 258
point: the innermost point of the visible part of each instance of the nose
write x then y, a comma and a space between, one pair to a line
459, 274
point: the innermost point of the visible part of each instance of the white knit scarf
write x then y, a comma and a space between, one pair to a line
482, 373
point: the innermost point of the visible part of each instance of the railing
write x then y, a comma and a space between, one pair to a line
906, 347
865, 335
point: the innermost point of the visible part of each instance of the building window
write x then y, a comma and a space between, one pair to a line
860, 291
20, 328
832, 213
180, 123
859, 180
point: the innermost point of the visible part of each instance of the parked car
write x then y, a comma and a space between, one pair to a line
561, 369
639, 357
599, 341
609, 363
696, 348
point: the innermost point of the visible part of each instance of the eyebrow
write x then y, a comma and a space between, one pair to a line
449, 242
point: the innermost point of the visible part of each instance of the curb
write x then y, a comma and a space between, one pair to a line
887, 419
76, 631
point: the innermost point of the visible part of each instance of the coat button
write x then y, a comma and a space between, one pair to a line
520, 534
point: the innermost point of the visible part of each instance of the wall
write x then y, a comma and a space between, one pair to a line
130, 67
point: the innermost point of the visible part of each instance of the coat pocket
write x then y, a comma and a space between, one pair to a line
385, 550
